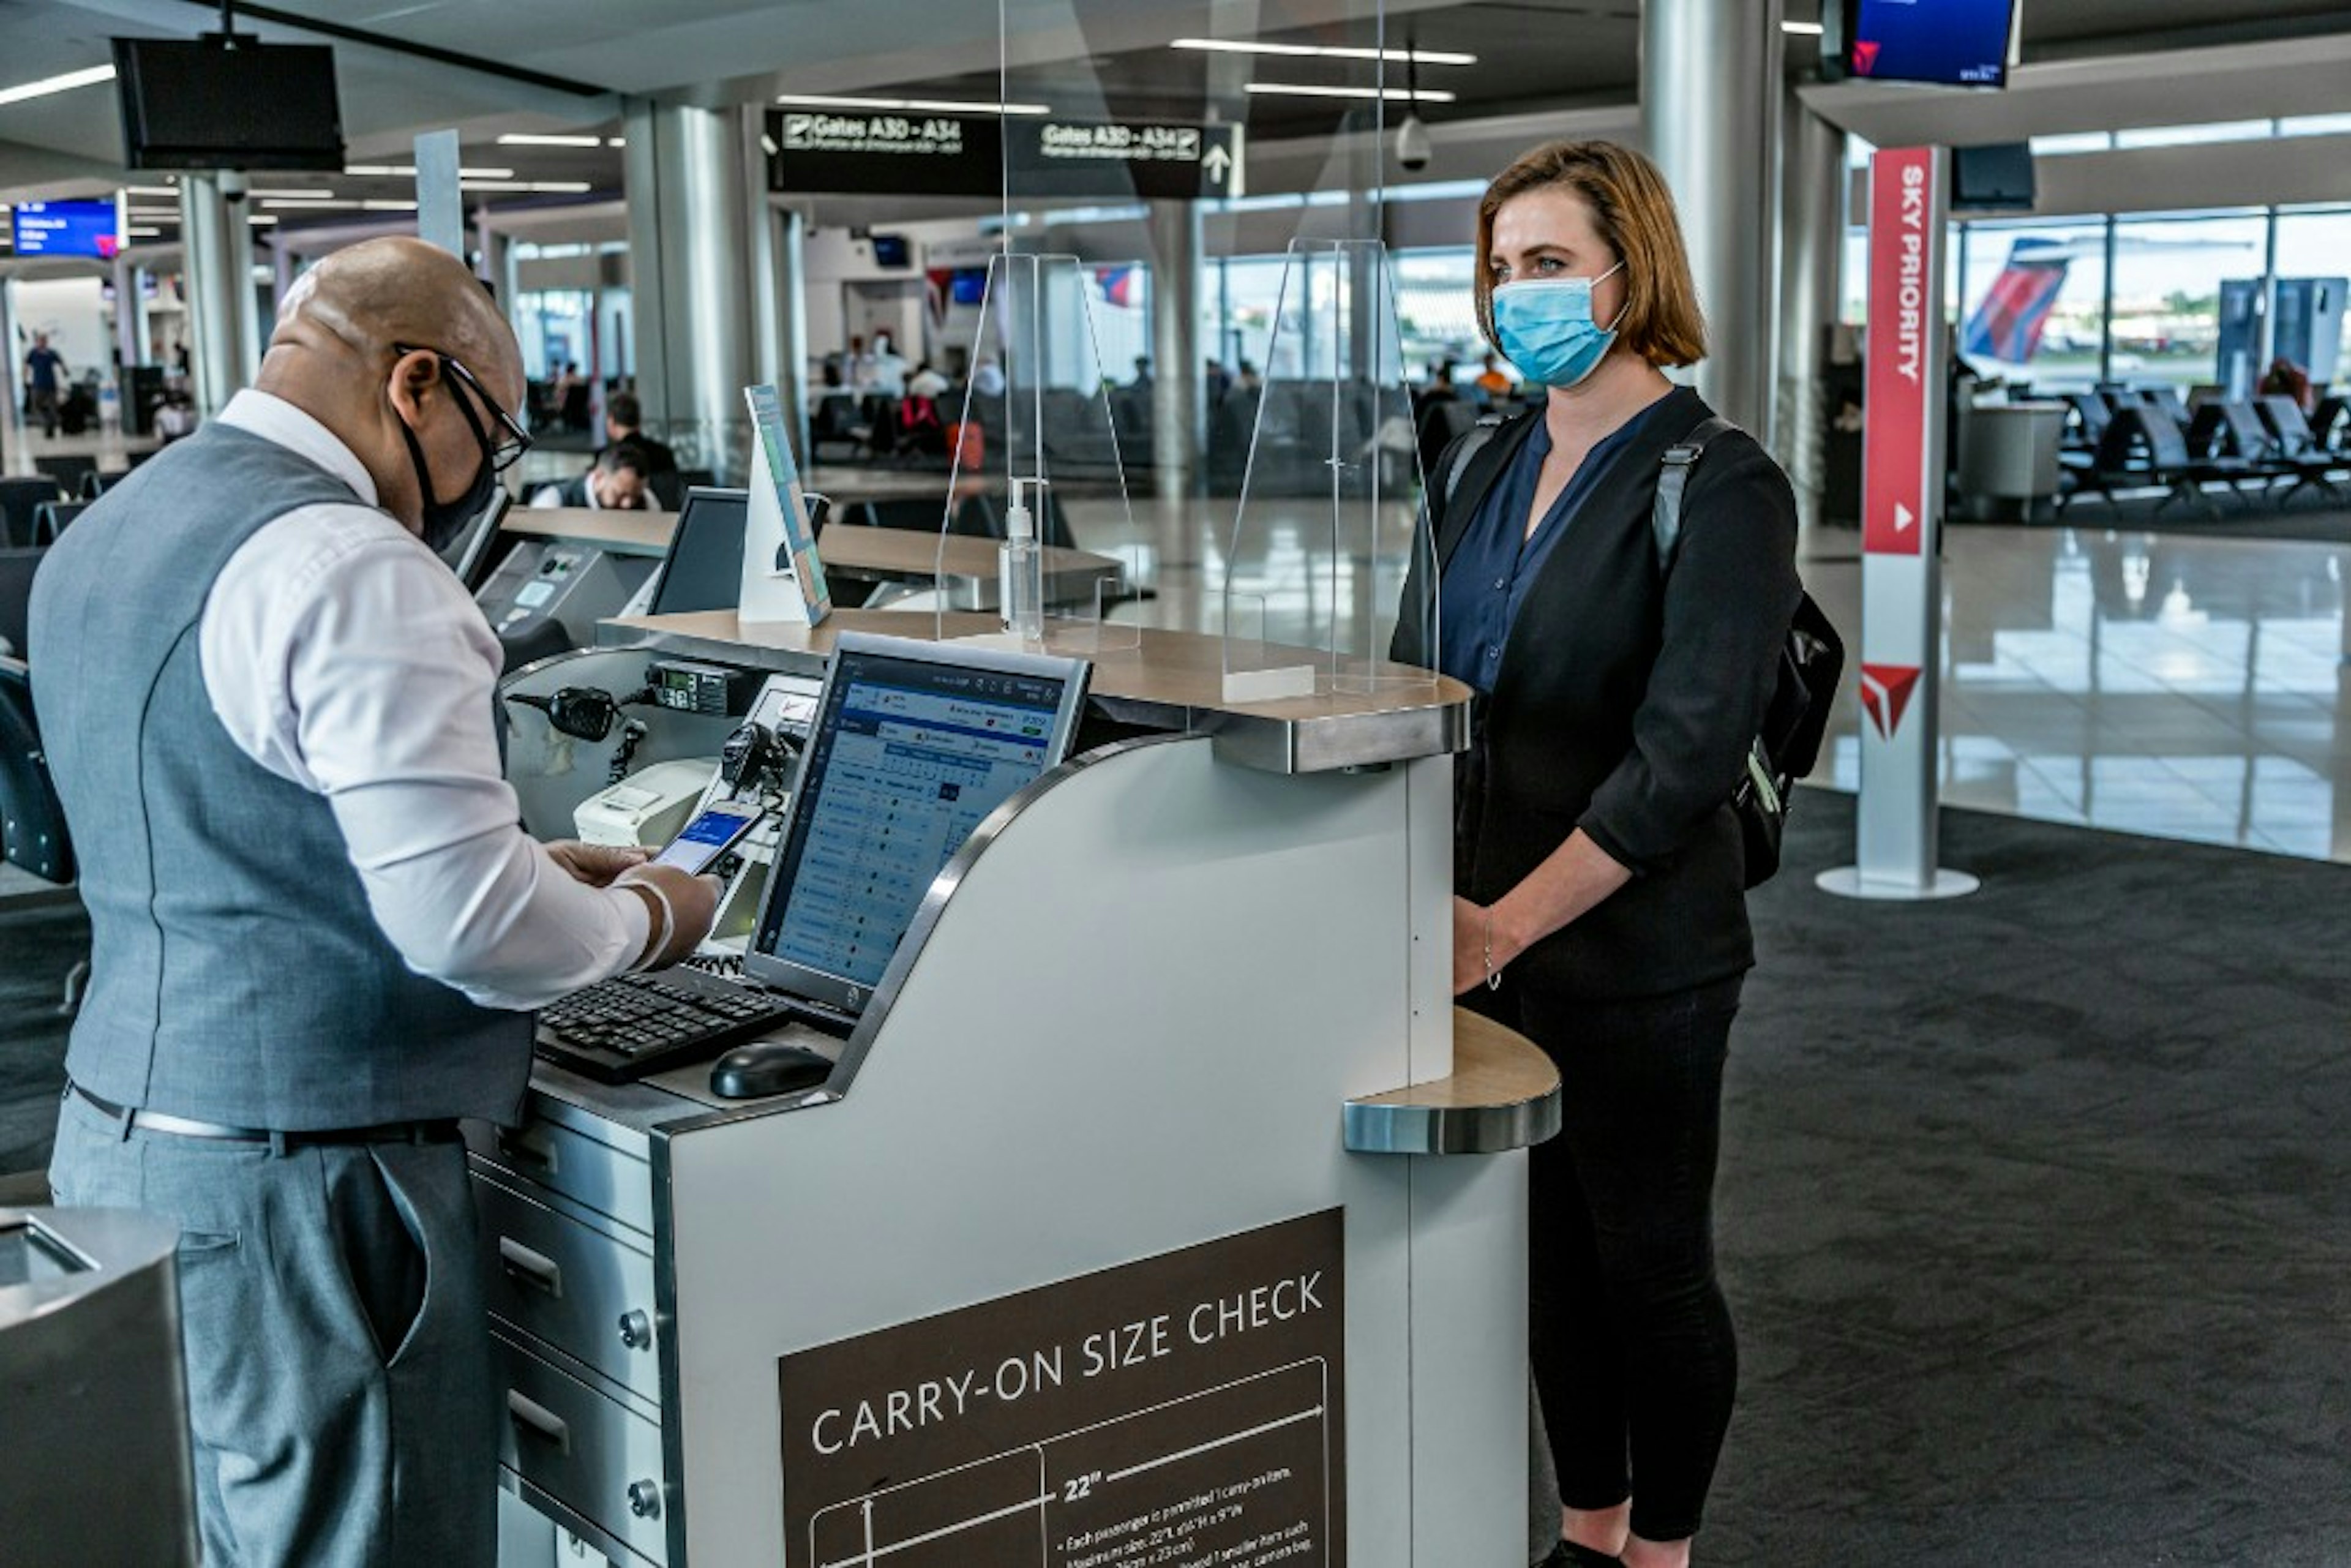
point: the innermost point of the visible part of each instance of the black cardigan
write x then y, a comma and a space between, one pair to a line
1626, 709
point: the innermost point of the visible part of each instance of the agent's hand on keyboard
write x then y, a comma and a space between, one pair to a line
684, 909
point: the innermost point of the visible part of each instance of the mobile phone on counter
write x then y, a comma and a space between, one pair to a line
712, 831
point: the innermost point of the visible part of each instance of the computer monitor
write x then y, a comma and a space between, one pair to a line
465, 553
914, 744
703, 569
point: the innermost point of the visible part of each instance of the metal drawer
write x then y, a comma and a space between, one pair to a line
564, 1159
582, 1288
597, 1458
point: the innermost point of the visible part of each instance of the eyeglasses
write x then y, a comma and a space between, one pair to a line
504, 455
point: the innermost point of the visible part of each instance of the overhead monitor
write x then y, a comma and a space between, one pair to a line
227, 102
67, 229
703, 569
913, 745
1947, 43
1997, 177
893, 251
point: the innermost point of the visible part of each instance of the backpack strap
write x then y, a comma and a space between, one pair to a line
1673, 478
1472, 442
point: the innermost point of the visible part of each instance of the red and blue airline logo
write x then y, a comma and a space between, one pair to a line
1886, 696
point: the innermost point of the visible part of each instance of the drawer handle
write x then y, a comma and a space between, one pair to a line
636, 1329
525, 1267
531, 1149
644, 1500
531, 1417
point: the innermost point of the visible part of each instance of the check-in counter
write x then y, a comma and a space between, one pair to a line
1160, 1210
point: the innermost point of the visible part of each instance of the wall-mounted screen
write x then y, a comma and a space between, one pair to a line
67, 229
1949, 43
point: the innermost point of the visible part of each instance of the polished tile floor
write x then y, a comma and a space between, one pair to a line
2182, 687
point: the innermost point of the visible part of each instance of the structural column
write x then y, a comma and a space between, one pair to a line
224, 352
1710, 115
129, 319
689, 248
779, 282
1811, 248
11, 401
1179, 400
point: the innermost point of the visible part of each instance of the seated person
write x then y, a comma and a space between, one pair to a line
617, 484
1492, 380
926, 382
624, 421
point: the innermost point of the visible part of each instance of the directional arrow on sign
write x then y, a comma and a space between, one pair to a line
1219, 162
1903, 517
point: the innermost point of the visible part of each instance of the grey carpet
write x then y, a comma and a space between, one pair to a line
2036, 1210
2036, 1207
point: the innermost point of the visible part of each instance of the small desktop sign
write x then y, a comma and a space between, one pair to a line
85, 229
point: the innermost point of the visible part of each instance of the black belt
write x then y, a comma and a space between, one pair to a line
433, 1132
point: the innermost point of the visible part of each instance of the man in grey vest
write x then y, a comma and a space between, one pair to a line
318, 926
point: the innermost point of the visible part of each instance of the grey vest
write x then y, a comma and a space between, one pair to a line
237, 975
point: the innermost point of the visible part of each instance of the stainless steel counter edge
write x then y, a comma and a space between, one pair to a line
1375, 1129
1244, 739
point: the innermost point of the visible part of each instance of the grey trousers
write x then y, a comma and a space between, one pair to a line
339, 1387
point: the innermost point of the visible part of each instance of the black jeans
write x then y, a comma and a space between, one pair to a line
1635, 1358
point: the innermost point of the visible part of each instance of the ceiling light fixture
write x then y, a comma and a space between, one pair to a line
913, 105
1395, 94
616, 141
1298, 51
258, 219
519, 139
65, 83
135, 231
408, 171
290, 195
541, 187
151, 190
320, 204
387, 206
1809, 29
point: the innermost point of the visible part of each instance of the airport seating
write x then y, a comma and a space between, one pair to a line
50, 519
2142, 446
17, 569
2314, 465
71, 472
32, 819
19, 495
2330, 422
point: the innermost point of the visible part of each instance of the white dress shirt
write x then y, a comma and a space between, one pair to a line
343, 657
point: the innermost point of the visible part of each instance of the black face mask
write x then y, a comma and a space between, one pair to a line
444, 520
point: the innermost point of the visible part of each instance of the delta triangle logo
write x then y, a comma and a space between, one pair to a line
1864, 57
1886, 694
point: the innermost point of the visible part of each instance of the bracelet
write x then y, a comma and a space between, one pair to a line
1493, 975
657, 940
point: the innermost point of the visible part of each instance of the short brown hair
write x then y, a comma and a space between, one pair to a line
1633, 212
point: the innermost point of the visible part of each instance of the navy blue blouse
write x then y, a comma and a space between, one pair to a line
1497, 562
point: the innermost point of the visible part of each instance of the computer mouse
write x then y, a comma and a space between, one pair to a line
767, 1067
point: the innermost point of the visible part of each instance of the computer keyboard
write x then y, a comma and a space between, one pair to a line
625, 1027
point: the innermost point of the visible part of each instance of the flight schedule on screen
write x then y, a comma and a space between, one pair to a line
909, 770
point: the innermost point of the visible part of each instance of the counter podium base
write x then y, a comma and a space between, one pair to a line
1144, 1219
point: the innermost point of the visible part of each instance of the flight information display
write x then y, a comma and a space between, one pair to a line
1962, 43
908, 756
67, 229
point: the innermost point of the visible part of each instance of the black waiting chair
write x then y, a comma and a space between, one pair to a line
2298, 448
19, 495
51, 518
2140, 446
71, 472
33, 836
17, 569
95, 484
2330, 422
32, 819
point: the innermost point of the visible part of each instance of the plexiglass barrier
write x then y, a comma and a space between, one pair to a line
1037, 457
1330, 519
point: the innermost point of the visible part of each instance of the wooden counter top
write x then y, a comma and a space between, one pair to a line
1176, 678
1504, 1094
624, 533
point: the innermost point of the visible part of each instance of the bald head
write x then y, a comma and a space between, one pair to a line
361, 301
334, 354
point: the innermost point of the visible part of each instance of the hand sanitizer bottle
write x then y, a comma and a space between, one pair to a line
1020, 585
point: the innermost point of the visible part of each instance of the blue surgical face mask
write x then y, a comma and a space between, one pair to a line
1544, 327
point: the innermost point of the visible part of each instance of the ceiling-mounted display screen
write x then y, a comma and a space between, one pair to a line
204, 105
1950, 43
66, 228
